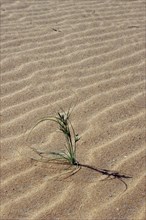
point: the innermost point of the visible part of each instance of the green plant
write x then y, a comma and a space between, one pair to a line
66, 128
68, 156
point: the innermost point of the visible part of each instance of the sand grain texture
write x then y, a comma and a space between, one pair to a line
89, 53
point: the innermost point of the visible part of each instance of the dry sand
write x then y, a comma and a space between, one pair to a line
84, 52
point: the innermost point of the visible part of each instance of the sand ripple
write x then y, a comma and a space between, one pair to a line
89, 53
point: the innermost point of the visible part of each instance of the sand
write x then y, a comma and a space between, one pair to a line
88, 54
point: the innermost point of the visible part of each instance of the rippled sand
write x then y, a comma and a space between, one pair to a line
87, 53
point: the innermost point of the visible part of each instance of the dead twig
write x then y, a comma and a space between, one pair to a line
109, 173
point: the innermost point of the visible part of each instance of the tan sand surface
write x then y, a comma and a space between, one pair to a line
87, 53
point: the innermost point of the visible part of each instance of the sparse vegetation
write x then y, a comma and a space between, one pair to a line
68, 155
65, 126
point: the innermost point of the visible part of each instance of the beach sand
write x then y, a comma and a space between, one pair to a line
88, 54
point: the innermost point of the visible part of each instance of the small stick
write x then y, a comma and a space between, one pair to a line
108, 173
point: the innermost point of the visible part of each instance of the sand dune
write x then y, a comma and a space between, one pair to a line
88, 53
